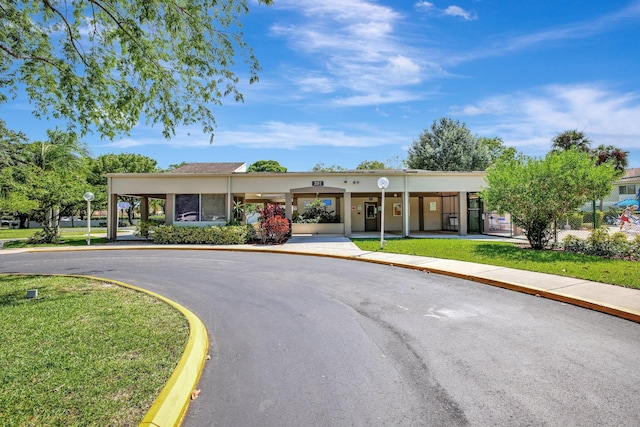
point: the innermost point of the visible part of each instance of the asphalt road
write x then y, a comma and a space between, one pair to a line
311, 341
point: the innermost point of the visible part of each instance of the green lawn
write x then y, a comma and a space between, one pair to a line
617, 272
84, 352
76, 236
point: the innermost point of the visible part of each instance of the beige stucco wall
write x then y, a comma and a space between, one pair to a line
361, 187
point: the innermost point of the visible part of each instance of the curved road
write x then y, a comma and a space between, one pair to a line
311, 341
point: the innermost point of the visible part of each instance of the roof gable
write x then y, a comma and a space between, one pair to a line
215, 168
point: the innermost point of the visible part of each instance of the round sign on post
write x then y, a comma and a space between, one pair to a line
88, 196
382, 184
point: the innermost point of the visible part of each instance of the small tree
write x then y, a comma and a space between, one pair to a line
537, 192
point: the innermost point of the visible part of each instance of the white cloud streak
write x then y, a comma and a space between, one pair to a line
529, 120
268, 135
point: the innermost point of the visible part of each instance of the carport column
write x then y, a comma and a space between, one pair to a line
346, 214
169, 209
462, 213
112, 216
288, 202
406, 209
144, 209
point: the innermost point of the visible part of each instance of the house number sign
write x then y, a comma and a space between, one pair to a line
317, 183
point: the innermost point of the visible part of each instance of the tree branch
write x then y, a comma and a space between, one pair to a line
71, 37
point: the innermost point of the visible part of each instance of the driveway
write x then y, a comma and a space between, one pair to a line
308, 341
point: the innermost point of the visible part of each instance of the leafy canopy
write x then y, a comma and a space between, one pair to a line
537, 192
105, 64
266, 166
448, 146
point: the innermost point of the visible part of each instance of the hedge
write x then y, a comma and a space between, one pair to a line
216, 235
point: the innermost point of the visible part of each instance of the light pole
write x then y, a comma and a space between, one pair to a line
382, 183
88, 196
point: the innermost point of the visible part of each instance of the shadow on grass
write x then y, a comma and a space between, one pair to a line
19, 244
515, 253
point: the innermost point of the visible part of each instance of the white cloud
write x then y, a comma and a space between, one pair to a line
267, 135
529, 120
354, 45
459, 12
455, 11
423, 5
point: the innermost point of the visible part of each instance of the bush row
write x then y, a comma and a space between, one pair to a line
227, 235
603, 244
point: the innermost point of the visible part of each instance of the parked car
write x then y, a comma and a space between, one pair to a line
188, 216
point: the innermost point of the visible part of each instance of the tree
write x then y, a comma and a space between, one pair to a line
118, 163
48, 181
571, 139
537, 192
496, 148
105, 64
320, 167
609, 153
11, 145
371, 165
266, 166
449, 146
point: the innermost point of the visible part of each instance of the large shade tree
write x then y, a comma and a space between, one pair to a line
105, 64
448, 146
539, 191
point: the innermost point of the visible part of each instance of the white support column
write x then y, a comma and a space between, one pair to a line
229, 200
169, 209
462, 213
288, 203
406, 209
346, 214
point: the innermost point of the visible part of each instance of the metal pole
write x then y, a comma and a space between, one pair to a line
88, 222
382, 223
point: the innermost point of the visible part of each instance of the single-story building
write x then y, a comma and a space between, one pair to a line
205, 194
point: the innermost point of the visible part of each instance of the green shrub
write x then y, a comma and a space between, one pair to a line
216, 235
587, 217
600, 243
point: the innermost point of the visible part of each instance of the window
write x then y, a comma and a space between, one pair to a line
213, 207
200, 207
627, 189
187, 207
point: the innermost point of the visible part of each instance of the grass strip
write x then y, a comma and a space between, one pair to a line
83, 352
505, 254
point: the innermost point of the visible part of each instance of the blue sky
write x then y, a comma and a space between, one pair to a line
350, 80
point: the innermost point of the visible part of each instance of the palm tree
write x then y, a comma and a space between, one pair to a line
571, 139
609, 153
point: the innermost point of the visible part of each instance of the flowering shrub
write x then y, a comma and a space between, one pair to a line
231, 235
274, 227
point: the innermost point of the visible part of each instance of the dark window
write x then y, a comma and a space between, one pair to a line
187, 207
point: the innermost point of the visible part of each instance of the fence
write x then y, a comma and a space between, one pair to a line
579, 223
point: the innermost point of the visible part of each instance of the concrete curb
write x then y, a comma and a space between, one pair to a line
171, 404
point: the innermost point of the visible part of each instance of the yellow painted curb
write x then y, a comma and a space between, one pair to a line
171, 404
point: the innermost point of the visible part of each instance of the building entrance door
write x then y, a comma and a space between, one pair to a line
371, 217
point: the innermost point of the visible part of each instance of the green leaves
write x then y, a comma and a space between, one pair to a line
105, 65
448, 146
539, 191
